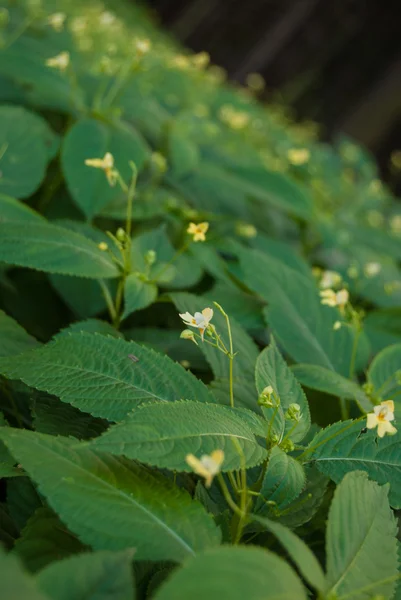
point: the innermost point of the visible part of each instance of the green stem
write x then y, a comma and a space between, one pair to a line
344, 409
108, 299
227, 495
230, 354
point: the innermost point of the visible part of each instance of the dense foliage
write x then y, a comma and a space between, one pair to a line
200, 334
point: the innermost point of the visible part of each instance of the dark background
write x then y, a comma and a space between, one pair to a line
337, 62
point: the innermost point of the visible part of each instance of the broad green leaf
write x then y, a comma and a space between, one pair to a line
25, 145
105, 376
96, 576
361, 541
53, 249
185, 271
8, 467
383, 328
385, 373
90, 138
14, 210
22, 500
235, 573
163, 434
325, 380
283, 252
54, 417
149, 514
341, 448
44, 539
272, 370
91, 326
138, 294
244, 362
300, 322
302, 556
8, 531
16, 583
244, 308
13, 338
275, 189
283, 481
182, 153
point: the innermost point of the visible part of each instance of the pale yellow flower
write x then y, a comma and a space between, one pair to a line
298, 156
142, 46
331, 298
106, 164
330, 279
57, 20
372, 269
337, 325
200, 320
180, 62
198, 231
61, 61
107, 18
381, 417
208, 466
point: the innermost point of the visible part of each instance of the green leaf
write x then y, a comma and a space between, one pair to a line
91, 326
272, 370
283, 481
13, 338
16, 583
325, 380
163, 434
96, 374
22, 500
235, 573
385, 373
383, 328
44, 539
25, 149
273, 189
97, 576
14, 210
341, 448
53, 249
182, 153
54, 417
138, 294
298, 319
150, 514
89, 138
361, 543
299, 552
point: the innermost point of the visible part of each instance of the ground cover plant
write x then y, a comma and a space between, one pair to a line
200, 328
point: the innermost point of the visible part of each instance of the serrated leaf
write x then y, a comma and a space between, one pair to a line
385, 373
299, 552
325, 380
96, 576
53, 249
299, 321
22, 500
138, 294
90, 138
235, 573
361, 544
16, 583
163, 435
14, 210
13, 338
91, 326
25, 142
341, 448
96, 374
272, 370
283, 481
150, 514
45, 539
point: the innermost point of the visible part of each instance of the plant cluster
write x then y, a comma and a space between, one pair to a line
200, 334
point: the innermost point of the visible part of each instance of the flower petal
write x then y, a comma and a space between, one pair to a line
371, 421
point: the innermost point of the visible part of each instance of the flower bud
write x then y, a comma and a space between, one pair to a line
120, 234
150, 257
187, 334
266, 397
103, 246
293, 412
287, 446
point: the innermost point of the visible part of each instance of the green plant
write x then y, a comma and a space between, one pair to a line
254, 453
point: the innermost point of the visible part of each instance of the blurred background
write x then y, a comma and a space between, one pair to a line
338, 62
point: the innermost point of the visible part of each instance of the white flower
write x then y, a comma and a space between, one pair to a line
198, 231
200, 320
142, 46
330, 279
381, 417
61, 61
372, 269
56, 21
107, 18
332, 298
208, 466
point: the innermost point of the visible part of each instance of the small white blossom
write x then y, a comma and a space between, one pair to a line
200, 320
208, 466
372, 269
381, 417
61, 61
